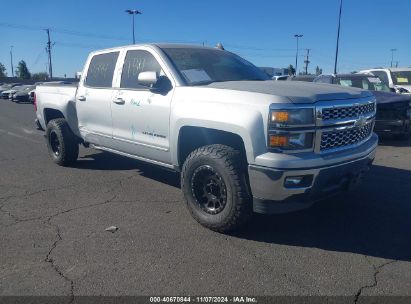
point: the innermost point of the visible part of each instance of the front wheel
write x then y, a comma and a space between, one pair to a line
61, 142
214, 183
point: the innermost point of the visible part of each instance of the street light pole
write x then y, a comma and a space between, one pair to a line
297, 36
11, 61
338, 39
133, 13
392, 55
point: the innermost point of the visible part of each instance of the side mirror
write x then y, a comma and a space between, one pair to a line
147, 79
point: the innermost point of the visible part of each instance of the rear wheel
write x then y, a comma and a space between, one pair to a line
215, 188
62, 143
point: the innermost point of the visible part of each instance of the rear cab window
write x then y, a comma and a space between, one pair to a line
101, 70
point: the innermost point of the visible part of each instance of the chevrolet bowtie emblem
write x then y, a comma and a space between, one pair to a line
360, 122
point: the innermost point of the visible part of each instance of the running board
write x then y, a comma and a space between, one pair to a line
154, 162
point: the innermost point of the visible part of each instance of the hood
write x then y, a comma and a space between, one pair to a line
295, 91
388, 97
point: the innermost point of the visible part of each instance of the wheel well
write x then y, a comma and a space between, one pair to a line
50, 114
191, 138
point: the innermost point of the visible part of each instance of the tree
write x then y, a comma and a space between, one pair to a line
291, 70
22, 70
41, 76
318, 71
2, 70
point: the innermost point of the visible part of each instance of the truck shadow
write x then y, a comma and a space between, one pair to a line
374, 220
112, 162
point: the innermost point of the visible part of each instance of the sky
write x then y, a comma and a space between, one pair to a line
261, 31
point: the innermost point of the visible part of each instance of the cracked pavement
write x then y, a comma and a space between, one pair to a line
53, 241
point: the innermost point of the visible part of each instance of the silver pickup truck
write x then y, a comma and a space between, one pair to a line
241, 141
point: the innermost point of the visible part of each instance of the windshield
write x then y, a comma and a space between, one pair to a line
371, 83
202, 66
401, 77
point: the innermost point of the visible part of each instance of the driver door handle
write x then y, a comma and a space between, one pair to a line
81, 98
119, 100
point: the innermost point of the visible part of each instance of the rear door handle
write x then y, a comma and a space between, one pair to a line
81, 98
119, 100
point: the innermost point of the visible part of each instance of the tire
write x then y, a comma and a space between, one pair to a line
214, 184
62, 144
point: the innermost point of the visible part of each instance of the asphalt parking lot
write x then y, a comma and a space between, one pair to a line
53, 238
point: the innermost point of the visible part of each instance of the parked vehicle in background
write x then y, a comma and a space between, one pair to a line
280, 77
6, 94
393, 110
17, 89
7, 87
241, 141
22, 95
397, 79
306, 78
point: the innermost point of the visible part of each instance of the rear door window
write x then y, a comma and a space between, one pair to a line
101, 70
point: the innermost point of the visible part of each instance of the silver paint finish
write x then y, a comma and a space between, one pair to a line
146, 125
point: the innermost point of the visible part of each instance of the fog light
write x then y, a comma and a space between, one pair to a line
293, 180
278, 141
304, 181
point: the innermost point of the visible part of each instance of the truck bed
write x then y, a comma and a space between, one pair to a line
59, 97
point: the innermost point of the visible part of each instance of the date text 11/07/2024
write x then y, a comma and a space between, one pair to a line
188, 299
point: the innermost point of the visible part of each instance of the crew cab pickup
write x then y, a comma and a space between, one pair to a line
241, 141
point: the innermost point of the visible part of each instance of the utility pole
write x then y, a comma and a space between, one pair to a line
392, 55
338, 39
297, 36
133, 13
48, 49
306, 61
11, 61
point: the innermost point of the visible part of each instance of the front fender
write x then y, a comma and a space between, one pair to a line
242, 120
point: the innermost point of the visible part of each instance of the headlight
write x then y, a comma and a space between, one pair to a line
291, 141
292, 117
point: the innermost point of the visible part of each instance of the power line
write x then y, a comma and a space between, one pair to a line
61, 31
78, 45
38, 58
120, 38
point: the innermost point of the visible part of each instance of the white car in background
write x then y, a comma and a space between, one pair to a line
398, 79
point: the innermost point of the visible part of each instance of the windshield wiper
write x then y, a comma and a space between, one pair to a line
205, 82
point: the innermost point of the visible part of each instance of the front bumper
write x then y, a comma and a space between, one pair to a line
271, 195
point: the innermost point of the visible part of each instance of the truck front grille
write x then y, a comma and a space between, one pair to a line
341, 138
347, 112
